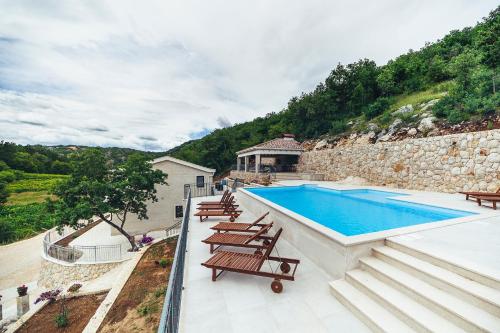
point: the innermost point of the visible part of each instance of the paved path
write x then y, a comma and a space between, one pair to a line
20, 262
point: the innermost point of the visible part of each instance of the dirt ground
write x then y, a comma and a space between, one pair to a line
80, 310
138, 307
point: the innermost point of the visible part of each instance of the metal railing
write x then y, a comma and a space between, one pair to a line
169, 321
203, 190
80, 253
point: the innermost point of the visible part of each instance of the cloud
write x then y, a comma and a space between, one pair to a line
115, 73
223, 122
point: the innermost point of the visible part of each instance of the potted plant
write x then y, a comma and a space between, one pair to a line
22, 290
23, 301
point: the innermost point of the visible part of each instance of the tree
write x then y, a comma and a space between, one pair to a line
60, 167
95, 189
4, 194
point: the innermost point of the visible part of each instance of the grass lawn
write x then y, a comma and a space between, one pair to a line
35, 182
437, 91
25, 198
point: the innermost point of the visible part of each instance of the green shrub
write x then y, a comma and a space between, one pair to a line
3, 166
338, 126
4, 194
22, 221
456, 116
7, 176
164, 262
62, 319
377, 108
159, 292
147, 309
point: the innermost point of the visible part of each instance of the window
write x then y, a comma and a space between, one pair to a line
200, 181
179, 211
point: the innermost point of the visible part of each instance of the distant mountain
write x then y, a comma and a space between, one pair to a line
55, 159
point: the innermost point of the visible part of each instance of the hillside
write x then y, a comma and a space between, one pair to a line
54, 159
451, 82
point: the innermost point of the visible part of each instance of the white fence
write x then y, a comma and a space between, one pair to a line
80, 253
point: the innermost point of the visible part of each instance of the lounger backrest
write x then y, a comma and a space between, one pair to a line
270, 248
258, 233
231, 201
224, 196
257, 221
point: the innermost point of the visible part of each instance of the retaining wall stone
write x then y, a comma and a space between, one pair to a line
450, 163
53, 275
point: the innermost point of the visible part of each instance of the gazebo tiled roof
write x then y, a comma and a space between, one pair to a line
285, 143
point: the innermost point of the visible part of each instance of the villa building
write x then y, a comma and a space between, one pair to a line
169, 208
277, 155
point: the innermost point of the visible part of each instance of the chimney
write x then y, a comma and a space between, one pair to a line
288, 136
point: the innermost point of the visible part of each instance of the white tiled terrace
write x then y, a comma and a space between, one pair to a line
240, 303
243, 303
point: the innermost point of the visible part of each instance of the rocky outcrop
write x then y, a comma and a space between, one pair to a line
450, 163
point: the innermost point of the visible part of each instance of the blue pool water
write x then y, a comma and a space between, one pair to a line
354, 212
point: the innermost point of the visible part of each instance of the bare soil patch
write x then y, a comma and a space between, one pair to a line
80, 310
138, 307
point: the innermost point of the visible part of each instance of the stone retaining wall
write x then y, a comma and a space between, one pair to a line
54, 275
250, 177
450, 163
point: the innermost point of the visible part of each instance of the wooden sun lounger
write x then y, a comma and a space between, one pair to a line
473, 195
247, 263
228, 212
256, 241
493, 200
240, 227
229, 203
225, 195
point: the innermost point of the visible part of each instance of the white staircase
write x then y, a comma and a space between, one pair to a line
399, 289
173, 231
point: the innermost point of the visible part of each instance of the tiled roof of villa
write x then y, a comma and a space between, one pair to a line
285, 143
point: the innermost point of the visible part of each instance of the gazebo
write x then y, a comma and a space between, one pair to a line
277, 155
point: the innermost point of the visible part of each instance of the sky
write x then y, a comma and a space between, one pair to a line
152, 74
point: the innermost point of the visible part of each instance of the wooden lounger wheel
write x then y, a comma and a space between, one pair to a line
277, 286
259, 252
266, 242
285, 267
232, 219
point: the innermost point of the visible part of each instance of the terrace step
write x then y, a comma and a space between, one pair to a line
367, 310
402, 306
471, 274
288, 176
471, 291
461, 313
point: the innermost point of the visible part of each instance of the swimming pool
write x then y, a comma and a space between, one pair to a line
354, 212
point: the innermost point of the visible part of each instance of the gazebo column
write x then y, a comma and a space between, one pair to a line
246, 163
238, 163
257, 163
